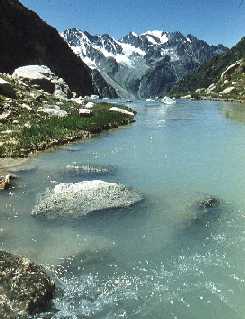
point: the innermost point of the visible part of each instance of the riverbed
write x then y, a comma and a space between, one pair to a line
161, 258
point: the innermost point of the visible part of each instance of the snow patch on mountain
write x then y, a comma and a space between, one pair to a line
134, 34
160, 35
129, 49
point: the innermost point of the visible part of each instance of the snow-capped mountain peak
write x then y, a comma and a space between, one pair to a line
143, 64
156, 36
86, 45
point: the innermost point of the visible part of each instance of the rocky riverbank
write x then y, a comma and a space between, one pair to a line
38, 111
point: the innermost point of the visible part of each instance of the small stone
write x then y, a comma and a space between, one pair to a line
89, 105
26, 106
27, 125
5, 115
85, 112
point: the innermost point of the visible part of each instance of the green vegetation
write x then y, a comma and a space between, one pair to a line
26, 128
210, 72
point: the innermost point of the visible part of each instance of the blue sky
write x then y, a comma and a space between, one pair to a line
216, 21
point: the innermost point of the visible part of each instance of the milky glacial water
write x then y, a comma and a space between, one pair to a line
161, 258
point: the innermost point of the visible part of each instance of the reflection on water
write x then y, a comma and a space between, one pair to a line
234, 111
163, 258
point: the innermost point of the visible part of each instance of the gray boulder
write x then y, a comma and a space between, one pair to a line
45, 79
25, 287
78, 199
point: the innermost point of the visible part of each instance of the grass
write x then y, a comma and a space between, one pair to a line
28, 129
45, 131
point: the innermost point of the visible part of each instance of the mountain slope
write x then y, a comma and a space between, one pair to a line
211, 71
26, 39
141, 65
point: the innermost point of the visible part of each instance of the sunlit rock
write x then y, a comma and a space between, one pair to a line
44, 79
168, 100
39, 75
123, 111
78, 199
89, 105
85, 112
53, 110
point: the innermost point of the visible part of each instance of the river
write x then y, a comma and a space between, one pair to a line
161, 258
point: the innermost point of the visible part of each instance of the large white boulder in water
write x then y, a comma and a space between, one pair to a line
168, 100
78, 199
44, 78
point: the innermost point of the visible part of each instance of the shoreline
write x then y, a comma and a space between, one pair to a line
219, 99
10, 164
7, 164
222, 99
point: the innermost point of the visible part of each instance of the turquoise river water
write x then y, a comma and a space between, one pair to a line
162, 258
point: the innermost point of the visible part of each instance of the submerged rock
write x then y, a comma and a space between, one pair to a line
77, 172
208, 202
88, 169
207, 210
78, 199
25, 288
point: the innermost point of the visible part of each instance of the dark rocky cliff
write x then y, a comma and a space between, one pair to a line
26, 39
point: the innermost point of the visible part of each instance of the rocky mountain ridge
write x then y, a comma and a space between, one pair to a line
141, 65
222, 77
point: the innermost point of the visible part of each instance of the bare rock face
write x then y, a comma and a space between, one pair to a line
26, 39
25, 288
